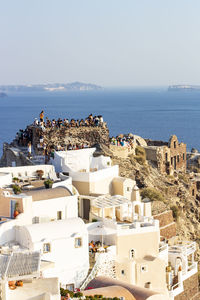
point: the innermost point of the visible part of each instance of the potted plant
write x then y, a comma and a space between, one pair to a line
19, 283
48, 183
40, 173
16, 189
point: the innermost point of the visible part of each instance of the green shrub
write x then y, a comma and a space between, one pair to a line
63, 292
16, 189
152, 194
140, 159
140, 151
175, 212
94, 220
140, 156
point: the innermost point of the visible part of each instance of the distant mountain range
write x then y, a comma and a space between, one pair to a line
184, 87
2, 95
50, 87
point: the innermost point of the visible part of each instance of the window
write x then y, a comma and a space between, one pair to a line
178, 158
166, 156
122, 272
132, 253
59, 215
46, 248
183, 156
171, 160
193, 192
78, 242
144, 268
128, 189
108, 163
174, 144
70, 287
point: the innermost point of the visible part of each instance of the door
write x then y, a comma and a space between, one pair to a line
86, 208
12, 208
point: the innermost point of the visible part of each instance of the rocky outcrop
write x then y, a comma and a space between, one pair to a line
61, 137
13, 156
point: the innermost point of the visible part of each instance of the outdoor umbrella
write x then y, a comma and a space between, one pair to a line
102, 230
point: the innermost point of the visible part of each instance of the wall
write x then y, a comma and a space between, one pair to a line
71, 264
167, 224
24, 171
143, 243
99, 182
164, 155
191, 289
5, 179
48, 208
122, 152
179, 150
155, 273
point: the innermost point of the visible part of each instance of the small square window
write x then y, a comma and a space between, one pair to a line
108, 163
46, 248
128, 189
70, 287
59, 215
78, 242
122, 272
144, 268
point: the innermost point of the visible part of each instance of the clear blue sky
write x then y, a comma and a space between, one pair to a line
108, 42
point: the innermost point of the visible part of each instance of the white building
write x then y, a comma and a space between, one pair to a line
23, 265
90, 175
63, 242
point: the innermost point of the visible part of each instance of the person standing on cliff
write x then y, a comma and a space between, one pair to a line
42, 116
29, 149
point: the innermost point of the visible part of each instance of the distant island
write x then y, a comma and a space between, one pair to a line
50, 87
3, 95
184, 87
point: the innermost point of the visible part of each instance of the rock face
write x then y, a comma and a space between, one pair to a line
61, 137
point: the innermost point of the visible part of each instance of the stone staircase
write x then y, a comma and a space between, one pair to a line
104, 266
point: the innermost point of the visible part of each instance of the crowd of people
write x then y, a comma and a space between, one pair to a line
23, 137
123, 141
59, 123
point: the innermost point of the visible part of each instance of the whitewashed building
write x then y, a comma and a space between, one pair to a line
90, 175
63, 242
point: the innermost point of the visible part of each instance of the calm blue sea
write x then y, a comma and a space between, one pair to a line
150, 113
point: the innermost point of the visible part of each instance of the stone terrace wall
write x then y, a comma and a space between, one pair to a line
73, 135
191, 289
167, 224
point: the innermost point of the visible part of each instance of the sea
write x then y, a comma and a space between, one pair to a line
154, 113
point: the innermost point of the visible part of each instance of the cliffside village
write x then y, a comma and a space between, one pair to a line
70, 223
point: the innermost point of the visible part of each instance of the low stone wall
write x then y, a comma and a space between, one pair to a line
191, 289
167, 224
122, 152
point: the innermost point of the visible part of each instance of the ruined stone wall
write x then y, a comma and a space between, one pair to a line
191, 289
168, 157
167, 224
177, 154
122, 152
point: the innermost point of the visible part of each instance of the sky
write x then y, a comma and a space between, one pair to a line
108, 42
